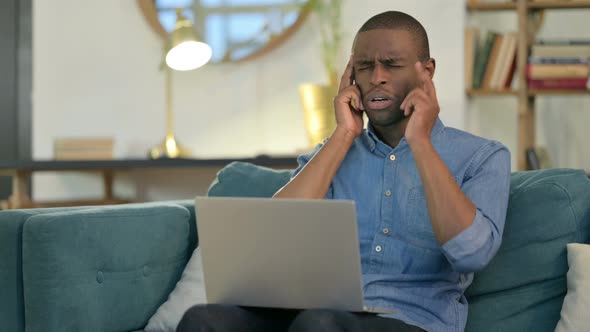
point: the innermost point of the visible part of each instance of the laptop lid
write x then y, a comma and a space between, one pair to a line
280, 253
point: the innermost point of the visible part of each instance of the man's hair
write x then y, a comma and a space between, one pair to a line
397, 20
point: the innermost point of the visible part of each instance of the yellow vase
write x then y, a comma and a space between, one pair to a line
318, 110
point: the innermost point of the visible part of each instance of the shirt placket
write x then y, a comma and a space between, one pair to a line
384, 229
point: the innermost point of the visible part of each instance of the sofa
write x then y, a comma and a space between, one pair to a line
109, 268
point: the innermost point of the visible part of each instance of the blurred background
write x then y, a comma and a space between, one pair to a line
94, 69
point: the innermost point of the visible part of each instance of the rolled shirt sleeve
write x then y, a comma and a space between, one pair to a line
303, 159
487, 185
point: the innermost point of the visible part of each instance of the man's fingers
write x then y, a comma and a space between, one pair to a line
351, 96
424, 77
410, 96
346, 79
413, 100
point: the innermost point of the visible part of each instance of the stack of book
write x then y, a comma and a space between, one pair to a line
490, 64
83, 148
559, 64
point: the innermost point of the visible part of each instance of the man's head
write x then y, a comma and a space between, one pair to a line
385, 51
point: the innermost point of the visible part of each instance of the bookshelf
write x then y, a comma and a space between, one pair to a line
572, 4
525, 96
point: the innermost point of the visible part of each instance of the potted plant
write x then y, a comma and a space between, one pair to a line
317, 99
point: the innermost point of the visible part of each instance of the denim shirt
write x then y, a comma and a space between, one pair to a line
404, 266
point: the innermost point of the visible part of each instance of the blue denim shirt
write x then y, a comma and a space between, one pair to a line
404, 266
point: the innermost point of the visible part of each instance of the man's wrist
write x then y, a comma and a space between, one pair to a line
344, 135
419, 144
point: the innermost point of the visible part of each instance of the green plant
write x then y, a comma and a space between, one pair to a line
328, 15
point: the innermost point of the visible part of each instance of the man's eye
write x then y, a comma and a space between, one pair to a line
364, 67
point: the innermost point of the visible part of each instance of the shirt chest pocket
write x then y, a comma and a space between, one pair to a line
416, 220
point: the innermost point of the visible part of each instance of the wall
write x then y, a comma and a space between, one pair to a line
96, 73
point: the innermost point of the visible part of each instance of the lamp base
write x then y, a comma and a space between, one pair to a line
170, 148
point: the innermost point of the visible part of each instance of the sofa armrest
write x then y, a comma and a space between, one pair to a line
101, 269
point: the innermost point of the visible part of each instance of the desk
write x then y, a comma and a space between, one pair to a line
21, 172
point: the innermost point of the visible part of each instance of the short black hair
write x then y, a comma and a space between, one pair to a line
397, 20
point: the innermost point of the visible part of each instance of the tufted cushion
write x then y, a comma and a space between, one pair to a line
101, 269
11, 286
241, 179
523, 287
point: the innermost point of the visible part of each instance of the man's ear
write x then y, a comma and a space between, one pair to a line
430, 67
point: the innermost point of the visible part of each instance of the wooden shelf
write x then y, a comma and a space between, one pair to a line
534, 92
572, 4
487, 92
483, 6
550, 4
553, 92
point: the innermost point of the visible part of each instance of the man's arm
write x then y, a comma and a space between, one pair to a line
468, 228
451, 212
314, 180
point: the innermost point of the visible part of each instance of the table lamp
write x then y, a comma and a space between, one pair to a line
185, 52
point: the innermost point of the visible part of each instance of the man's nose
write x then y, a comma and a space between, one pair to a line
379, 76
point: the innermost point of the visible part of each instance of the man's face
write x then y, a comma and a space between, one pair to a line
384, 71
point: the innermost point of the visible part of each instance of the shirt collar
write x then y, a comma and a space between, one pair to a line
371, 140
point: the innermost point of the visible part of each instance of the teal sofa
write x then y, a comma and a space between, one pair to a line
109, 268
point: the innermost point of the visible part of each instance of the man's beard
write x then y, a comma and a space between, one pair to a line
387, 117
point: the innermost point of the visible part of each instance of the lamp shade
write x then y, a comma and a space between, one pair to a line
186, 52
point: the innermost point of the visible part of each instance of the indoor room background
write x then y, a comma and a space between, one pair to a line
96, 73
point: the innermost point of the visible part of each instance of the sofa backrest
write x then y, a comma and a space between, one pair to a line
52, 261
11, 278
523, 287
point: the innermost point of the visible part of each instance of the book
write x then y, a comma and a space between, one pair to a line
562, 84
483, 56
510, 79
561, 51
503, 68
471, 41
503, 63
83, 148
83, 155
558, 61
492, 62
83, 142
542, 71
563, 41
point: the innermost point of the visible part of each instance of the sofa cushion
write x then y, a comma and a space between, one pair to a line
574, 313
189, 204
101, 269
240, 179
523, 287
11, 285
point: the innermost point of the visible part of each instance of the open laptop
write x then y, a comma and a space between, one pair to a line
281, 253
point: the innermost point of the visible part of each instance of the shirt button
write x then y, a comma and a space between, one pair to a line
378, 248
385, 230
388, 193
392, 157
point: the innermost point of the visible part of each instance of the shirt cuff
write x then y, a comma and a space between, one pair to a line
471, 250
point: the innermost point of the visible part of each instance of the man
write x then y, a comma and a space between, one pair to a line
431, 200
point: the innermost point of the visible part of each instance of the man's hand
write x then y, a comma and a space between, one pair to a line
348, 104
422, 102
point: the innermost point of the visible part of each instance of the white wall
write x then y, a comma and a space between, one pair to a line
96, 73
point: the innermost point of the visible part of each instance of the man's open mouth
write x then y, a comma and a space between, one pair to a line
379, 102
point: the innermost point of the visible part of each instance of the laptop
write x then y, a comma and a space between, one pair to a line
281, 253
